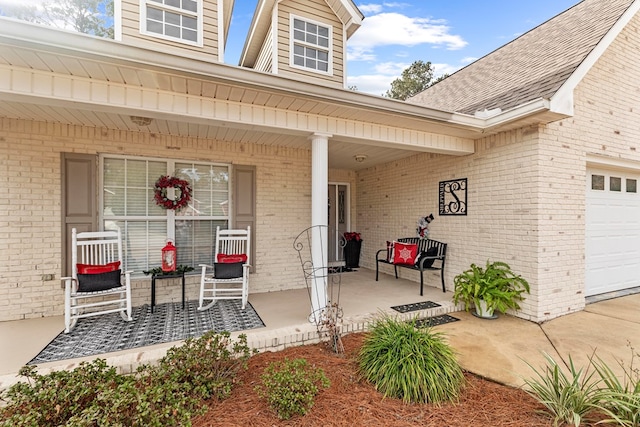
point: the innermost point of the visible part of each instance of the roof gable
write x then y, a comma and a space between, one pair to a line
535, 65
345, 10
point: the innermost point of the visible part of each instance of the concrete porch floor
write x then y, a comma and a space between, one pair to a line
496, 349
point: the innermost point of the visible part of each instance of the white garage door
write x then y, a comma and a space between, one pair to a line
613, 231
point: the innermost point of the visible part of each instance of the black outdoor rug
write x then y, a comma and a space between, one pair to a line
169, 322
415, 306
435, 320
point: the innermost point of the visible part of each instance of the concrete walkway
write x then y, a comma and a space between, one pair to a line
500, 349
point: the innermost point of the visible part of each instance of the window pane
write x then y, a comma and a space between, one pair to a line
324, 42
615, 184
298, 35
323, 32
174, 3
298, 24
195, 241
190, 5
155, 14
190, 35
597, 182
172, 31
312, 28
172, 18
631, 185
323, 66
312, 39
323, 56
190, 23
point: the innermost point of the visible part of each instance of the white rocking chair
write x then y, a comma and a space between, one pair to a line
228, 278
100, 290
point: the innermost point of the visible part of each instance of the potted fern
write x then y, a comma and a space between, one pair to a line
493, 288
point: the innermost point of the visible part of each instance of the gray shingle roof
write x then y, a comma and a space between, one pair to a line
533, 66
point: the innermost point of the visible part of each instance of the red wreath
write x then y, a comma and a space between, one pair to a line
161, 198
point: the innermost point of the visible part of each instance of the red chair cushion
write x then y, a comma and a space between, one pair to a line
97, 268
224, 258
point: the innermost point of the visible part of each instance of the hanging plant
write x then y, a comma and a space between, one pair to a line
182, 188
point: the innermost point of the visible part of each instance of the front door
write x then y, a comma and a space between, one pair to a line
338, 218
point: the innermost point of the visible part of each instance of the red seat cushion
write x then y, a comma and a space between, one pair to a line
224, 258
97, 268
404, 253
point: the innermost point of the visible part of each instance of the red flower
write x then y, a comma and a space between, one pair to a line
352, 235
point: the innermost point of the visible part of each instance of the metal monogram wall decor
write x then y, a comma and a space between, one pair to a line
453, 197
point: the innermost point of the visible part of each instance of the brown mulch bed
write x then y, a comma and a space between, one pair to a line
351, 401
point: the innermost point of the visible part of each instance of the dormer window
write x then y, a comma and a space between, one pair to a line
311, 45
177, 20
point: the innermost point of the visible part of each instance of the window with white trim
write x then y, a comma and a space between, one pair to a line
128, 203
311, 45
178, 20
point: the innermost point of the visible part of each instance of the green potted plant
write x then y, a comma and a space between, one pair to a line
493, 288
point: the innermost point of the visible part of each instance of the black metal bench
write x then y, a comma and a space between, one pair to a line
424, 245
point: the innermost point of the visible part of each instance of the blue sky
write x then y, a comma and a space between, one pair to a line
448, 33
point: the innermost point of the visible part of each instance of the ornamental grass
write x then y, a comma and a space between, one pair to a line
410, 363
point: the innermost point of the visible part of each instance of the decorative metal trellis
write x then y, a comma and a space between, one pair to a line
318, 273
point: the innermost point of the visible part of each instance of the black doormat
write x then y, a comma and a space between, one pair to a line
435, 321
336, 270
415, 306
168, 322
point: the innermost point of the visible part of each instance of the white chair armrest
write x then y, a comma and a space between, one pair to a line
70, 283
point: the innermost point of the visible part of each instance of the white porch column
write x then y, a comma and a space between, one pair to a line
319, 216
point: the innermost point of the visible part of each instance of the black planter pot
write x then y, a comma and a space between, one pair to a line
352, 253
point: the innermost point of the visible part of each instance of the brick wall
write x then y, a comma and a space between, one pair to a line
30, 222
500, 224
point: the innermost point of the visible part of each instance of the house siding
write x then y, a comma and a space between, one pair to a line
316, 10
209, 50
31, 221
265, 57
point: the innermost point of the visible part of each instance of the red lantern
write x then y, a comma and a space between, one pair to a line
169, 257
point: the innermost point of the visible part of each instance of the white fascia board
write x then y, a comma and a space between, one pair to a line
562, 100
221, 31
530, 108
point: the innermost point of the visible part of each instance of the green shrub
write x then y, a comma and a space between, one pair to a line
415, 365
568, 399
290, 386
94, 394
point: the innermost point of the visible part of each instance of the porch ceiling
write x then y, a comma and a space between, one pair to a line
62, 77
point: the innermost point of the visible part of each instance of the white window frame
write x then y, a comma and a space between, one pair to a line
293, 42
170, 216
198, 16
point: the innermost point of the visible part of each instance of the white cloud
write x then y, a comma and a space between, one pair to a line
375, 84
370, 8
360, 55
21, 2
390, 68
394, 29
